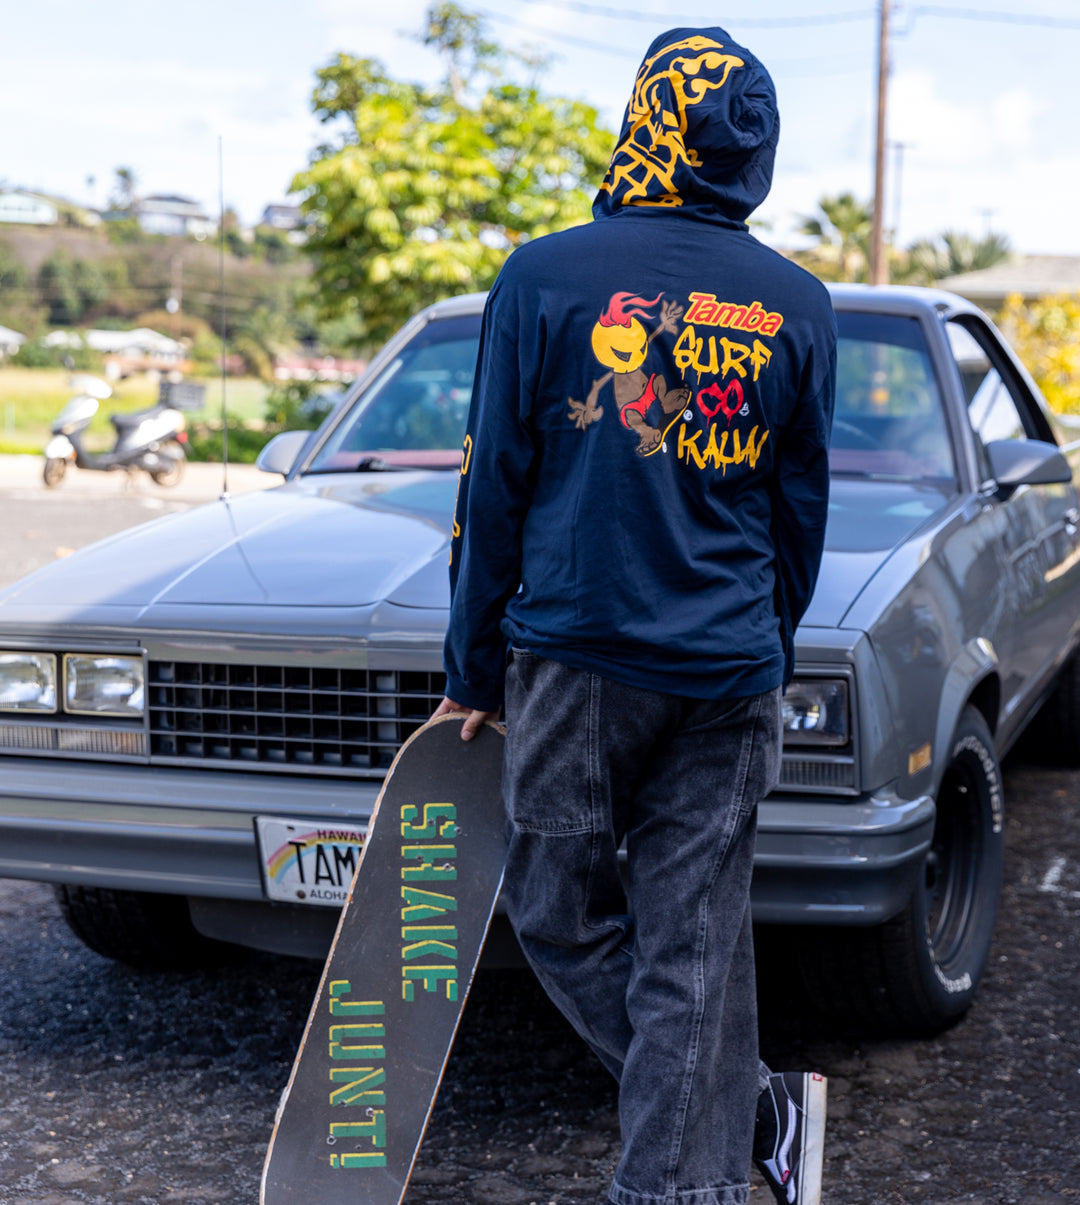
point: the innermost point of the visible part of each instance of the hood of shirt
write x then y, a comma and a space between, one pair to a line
699, 133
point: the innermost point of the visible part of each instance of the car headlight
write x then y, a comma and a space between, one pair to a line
103, 685
815, 712
27, 682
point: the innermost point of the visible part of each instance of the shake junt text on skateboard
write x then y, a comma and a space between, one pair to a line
357, 1028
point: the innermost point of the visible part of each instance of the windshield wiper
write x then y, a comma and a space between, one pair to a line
376, 464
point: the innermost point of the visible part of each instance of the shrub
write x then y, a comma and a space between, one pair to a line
1045, 334
36, 354
298, 405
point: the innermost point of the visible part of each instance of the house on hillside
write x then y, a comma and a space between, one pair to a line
20, 205
28, 209
282, 217
174, 216
10, 341
138, 350
1031, 276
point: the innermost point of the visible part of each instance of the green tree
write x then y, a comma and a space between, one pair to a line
123, 193
262, 334
274, 246
70, 286
842, 227
427, 189
951, 253
19, 308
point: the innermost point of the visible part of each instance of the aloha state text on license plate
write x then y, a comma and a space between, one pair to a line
305, 863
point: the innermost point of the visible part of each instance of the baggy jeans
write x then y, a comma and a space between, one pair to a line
658, 975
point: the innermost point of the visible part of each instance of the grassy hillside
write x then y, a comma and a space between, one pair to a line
142, 275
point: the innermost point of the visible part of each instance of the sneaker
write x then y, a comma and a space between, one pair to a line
789, 1136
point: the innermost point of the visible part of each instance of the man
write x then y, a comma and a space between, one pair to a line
640, 518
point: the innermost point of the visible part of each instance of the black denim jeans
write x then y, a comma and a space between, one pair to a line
657, 975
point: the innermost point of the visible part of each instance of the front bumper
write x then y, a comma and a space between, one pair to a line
820, 861
155, 829
182, 832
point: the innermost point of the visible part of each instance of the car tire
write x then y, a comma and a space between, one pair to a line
145, 931
53, 473
917, 974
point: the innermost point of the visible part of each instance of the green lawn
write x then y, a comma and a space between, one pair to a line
30, 398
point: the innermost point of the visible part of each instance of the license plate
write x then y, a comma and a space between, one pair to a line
305, 863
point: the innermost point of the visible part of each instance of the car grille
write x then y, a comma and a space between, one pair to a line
832, 775
294, 718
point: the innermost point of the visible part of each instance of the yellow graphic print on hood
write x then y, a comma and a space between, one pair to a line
699, 133
643, 165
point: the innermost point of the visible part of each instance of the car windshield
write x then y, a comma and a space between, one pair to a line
413, 414
889, 420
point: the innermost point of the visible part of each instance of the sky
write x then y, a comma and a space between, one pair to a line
983, 112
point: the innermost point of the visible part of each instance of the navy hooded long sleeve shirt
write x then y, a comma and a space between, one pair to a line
645, 480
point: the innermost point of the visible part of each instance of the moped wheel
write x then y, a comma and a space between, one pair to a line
55, 468
174, 462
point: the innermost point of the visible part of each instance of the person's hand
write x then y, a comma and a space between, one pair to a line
475, 719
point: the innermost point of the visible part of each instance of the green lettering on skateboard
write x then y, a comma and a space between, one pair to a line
380, 1031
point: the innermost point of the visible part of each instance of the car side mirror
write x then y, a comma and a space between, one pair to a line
1015, 462
282, 452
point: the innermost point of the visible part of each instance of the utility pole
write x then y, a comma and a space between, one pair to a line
879, 264
176, 291
898, 172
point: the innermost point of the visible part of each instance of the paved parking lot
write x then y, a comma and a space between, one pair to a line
37, 525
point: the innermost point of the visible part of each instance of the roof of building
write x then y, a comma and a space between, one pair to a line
141, 340
1028, 275
184, 206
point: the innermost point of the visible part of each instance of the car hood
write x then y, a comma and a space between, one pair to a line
388, 538
389, 534
868, 521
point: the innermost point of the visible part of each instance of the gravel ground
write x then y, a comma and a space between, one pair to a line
153, 1088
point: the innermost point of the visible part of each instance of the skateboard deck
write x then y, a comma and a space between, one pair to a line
364, 1081
682, 414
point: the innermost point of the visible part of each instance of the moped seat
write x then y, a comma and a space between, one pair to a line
124, 421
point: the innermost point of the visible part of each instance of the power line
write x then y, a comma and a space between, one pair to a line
805, 20
945, 11
603, 10
563, 39
1004, 18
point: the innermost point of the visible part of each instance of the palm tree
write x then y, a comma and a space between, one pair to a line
261, 335
950, 254
842, 228
123, 197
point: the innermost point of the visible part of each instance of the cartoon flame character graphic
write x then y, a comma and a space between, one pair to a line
621, 344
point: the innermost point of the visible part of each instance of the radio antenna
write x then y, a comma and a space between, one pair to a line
221, 273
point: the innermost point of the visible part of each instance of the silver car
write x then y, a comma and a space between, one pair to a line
195, 715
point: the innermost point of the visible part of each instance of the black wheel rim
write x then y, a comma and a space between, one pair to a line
951, 879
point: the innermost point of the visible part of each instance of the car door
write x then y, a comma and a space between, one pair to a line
1041, 553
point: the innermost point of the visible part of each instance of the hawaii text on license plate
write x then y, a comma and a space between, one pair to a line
305, 863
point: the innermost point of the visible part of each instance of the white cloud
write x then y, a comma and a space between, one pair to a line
1015, 115
960, 132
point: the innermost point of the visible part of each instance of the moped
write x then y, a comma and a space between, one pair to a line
152, 440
